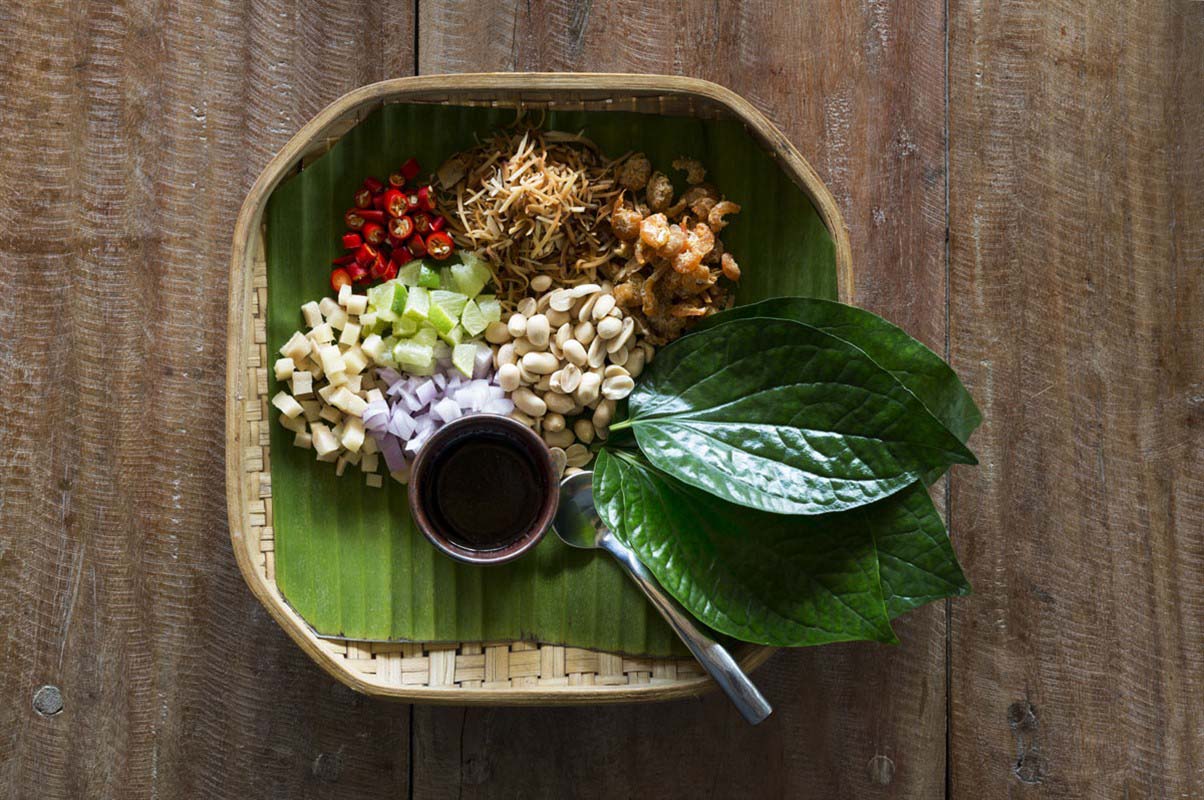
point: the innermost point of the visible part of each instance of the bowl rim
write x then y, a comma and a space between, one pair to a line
505, 88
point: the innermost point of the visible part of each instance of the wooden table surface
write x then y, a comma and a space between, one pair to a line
1023, 185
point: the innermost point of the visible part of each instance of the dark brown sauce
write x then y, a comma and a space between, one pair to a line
484, 491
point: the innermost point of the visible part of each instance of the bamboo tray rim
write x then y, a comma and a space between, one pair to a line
248, 503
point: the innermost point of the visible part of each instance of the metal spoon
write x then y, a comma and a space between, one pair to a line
578, 525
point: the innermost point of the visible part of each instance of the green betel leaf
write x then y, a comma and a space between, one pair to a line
759, 577
783, 417
915, 366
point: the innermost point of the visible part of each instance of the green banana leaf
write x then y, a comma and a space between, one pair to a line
348, 558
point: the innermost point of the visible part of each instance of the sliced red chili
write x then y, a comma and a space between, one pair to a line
374, 234
343, 261
339, 278
422, 222
354, 218
417, 246
394, 203
412, 203
351, 241
397, 180
365, 254
401, 255
358, 273
373, 215
390, 271
373, 184
363, 198
426, 199
378, 201
439, 245
377, 269
411, 169
437, 223
401, 228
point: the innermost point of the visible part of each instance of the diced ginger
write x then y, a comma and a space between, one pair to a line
328, 305
354, 361
294, 424
370, 446
337, 319
374, 347
332, 359
352, 458
323, 334
401, 476
312, 408
303, 440
303, 383
284, 368
353, 434
331, 415
296, 348
340, 465
287, 404
344, 294
326, 391
374, 481
337, 430
325, 443
337, 378
357, 304
347, 402
375, 395
369, 461
351, 334
312, 314
354, 383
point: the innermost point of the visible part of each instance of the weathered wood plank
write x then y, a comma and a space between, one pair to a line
1078, 321
861, 91
133, 130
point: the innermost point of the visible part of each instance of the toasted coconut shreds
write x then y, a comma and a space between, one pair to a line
532, 202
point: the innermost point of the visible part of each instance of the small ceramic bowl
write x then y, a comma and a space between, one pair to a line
484, 426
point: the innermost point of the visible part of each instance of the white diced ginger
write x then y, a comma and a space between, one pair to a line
340, 465
369, 461
374, 395
337, 319
302, 384
354, 361
356, 304
337, 378
353, 434
311, 409
374, 347
287, 404
312, 315
325, 443
296, 348
344, 294
323, 334
401, 476
294, 424
347, 402
351, 334
337, 430
370, 446
331, 415
326, 391
328, 305
353, 383
284, 369
352, 457
368, 319
303, 440
374, 481
332, 359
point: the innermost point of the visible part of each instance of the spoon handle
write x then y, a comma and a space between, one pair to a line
714, 657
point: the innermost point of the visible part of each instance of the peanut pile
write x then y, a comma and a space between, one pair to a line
566, 357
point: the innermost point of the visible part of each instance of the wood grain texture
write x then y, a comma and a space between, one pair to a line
860, 91
1077, 291
134, 131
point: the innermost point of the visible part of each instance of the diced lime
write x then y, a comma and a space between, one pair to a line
451, 302
411, 355
400, 293
491, 308
409, 273
425, 335
440, 318
471, 276
454, 336
406, 327
464, 356
472, 319
446, 279
367, 321
380, 300
442, 350
428, 278
418, 303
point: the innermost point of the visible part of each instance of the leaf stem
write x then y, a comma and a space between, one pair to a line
621, 425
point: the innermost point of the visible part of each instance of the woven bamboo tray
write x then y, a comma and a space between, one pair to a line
510, 673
